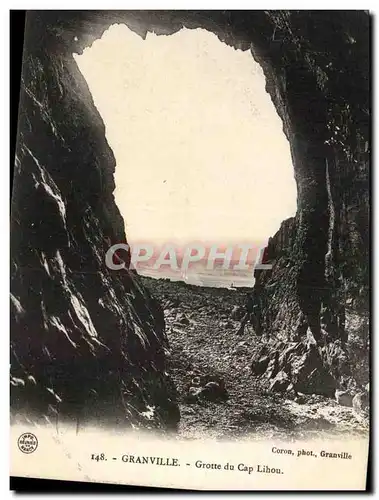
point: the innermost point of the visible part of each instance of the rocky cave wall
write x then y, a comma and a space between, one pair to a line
320, 87
88, 344
317, 72
319, 283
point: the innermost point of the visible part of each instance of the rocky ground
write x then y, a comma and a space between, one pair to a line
211, 366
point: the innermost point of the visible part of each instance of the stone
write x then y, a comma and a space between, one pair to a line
310, 375
259, 366
290, 392
280, 383
214, 390
344, 398
212, 386
300, 399
193, 394
237, 313
360, 402
182, 319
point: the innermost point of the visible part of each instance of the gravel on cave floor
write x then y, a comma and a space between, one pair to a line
203, 339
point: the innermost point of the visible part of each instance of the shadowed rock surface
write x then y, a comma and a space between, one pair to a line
88, 344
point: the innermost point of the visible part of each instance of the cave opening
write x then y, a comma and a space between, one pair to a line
202, 161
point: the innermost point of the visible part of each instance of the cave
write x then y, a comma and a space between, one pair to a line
69, 311
200, 151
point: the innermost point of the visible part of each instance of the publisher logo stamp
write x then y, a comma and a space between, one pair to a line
27, 442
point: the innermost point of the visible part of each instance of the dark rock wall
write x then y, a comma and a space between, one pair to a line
320, 85
87, 343
318, 77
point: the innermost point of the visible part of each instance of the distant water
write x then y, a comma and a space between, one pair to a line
218, 277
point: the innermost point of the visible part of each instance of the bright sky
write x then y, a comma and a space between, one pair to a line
199, 146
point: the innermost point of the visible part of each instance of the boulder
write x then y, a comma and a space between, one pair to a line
214, 390
344, 398
360, 402
310, 368
310, 374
